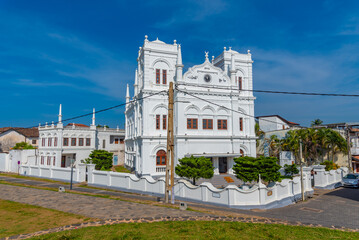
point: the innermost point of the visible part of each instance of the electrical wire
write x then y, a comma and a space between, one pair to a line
106, 109
218, 105
271, 91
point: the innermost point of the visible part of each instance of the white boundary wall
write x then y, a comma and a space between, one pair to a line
259, 196
56, 173
328, 179
4, 159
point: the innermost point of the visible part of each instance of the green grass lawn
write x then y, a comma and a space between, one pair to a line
201, 230
32, 178
18, 218
122, 169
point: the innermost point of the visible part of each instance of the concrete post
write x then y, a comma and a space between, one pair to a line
90, 169
307, 180
319, 176
81, 170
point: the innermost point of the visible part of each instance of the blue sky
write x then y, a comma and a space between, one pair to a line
83, 53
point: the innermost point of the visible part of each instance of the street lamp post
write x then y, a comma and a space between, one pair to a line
72, 170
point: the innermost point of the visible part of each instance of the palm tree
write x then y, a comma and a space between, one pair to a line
259, 133
335, 143
316, 122
275, 146
291, 143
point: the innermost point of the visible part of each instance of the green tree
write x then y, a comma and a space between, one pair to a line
275, 145
268, 168
329, 165
315, 143
335, 143
102, 126
259, 133
23, 145
316, 122
290, 170
245, 168
195, 168
102, 159
249, 168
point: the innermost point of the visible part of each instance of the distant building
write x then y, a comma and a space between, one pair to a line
9, 136
353, 129
200, 128
274, 122
60, 145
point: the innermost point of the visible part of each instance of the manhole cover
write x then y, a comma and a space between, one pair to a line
311, 209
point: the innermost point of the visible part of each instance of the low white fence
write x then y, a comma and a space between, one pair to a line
259, 196
328, 179
56, 173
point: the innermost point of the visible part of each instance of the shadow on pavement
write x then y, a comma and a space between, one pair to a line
348, 193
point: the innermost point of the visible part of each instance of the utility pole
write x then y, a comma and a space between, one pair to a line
170, 147
349, 150
301, 169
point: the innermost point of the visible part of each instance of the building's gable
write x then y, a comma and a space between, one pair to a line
206, 74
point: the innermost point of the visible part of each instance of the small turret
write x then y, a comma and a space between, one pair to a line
93, 124
179, 65
233, 70
59, 121
127, 96
136, 84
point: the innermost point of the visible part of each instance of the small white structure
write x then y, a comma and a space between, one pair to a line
274, 122
200, 128
286, 157
60, 145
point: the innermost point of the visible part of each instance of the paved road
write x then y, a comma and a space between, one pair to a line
87, 205
338, 208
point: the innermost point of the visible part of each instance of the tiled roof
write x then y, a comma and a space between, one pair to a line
27, 132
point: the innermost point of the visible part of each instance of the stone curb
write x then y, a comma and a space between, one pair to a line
165, 219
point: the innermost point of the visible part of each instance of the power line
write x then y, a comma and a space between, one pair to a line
106, 109
271, 91
218, 105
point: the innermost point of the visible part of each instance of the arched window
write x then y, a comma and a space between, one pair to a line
161, 157
242, 153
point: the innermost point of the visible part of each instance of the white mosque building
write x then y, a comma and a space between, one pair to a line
60, 145
220, 131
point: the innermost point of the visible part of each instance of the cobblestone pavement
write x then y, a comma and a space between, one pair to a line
89, 206
329, 208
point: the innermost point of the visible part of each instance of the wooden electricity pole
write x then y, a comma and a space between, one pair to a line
301, 170
349, 149
170, 147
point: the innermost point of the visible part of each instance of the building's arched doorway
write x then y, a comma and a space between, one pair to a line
161, 158
241, 153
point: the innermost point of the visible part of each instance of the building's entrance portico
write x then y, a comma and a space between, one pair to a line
222, 163
67, 159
